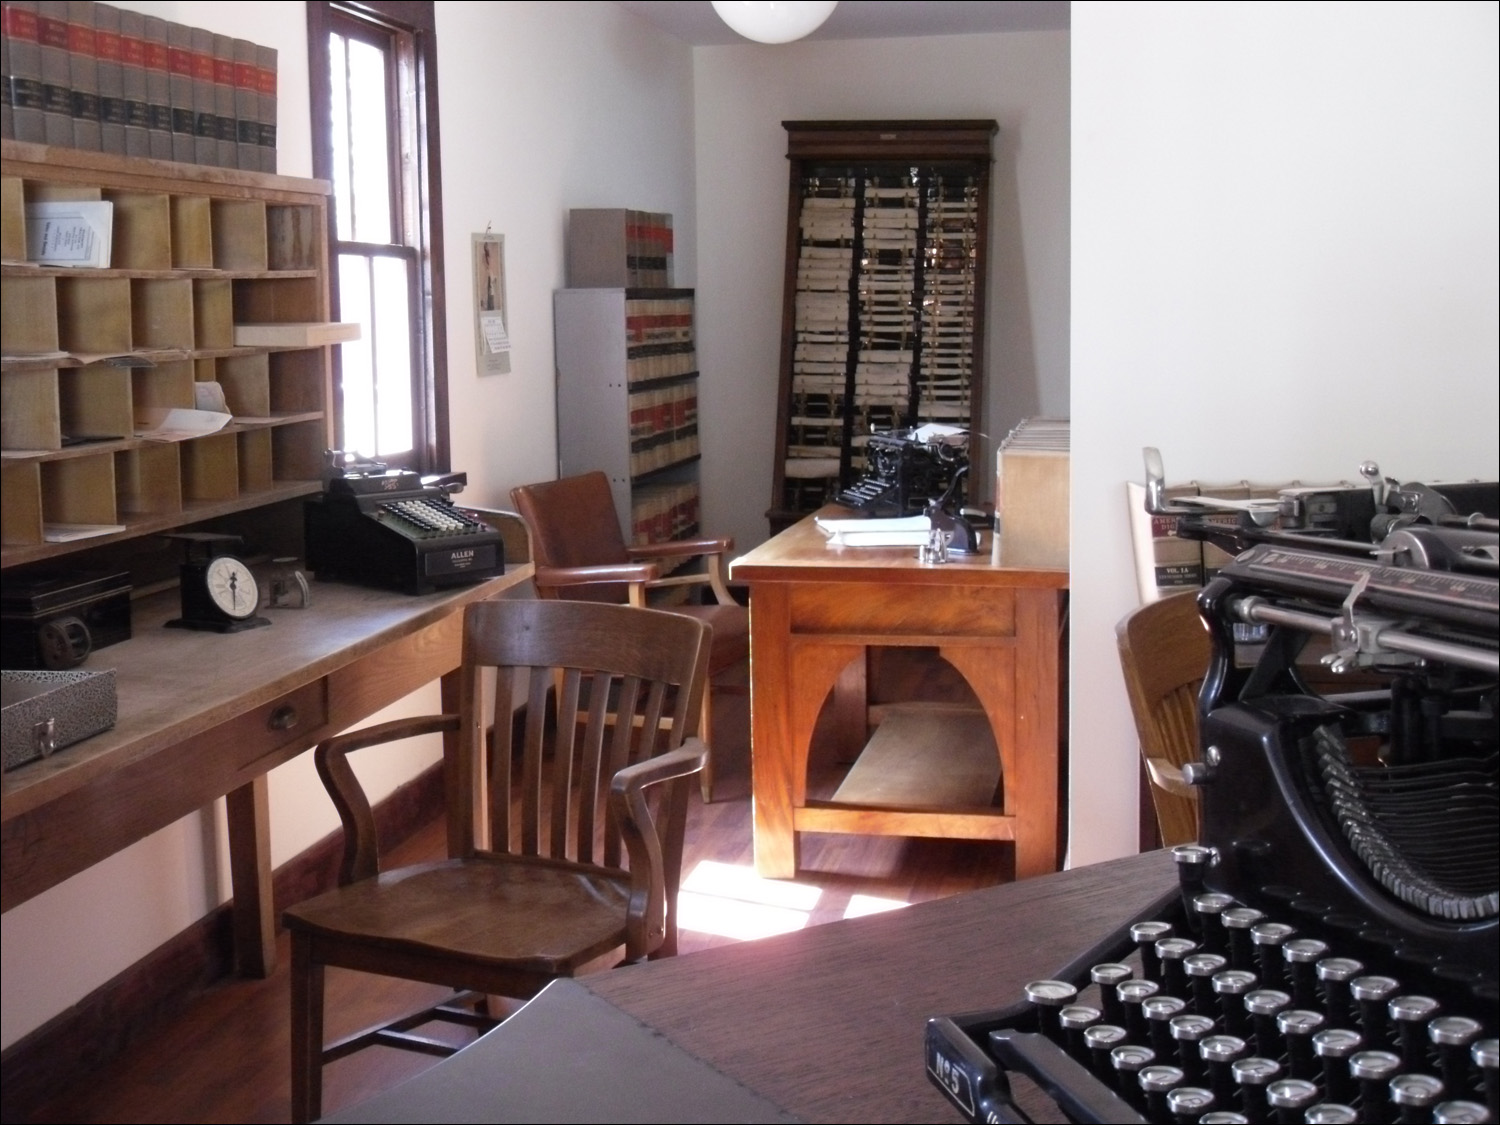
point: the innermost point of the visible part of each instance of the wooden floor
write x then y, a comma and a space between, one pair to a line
226, 1059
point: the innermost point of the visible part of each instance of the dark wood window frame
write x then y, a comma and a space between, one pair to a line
413, 21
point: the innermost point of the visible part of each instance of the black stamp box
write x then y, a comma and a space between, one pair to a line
54, 620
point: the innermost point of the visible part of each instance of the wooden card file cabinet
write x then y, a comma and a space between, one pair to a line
815, 610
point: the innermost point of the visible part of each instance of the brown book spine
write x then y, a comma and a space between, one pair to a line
133, 82
225, 130
22, 36
158, 55
83, 67
180, 70
57, 72
205, 118
246, 107
109, 48
265, 63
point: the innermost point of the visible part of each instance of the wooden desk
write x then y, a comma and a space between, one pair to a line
815, 609
827, 1023
204, 715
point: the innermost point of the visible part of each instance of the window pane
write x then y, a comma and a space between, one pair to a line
361, 136
392, 337
357, 381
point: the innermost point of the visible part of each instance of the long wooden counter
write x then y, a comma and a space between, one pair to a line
205, 715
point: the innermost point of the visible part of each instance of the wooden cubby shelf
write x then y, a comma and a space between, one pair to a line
87, 354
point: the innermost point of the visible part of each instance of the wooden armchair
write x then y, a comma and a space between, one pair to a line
552, 891
1164, 654
579, 554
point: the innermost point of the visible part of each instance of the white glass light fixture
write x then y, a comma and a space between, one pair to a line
774, 21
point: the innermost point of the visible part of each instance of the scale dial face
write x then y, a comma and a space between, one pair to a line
232, 587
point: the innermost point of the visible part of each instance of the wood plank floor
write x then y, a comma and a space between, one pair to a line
226, 1059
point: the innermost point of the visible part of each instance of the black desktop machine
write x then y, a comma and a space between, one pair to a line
389, 528
1330, 953
905, 472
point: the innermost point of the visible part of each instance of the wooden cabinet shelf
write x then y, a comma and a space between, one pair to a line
85, 353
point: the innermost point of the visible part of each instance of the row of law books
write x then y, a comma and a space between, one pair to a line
92, 76
663, 450
662, 410
659, 341
664, 512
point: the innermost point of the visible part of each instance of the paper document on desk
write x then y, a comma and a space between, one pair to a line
903, 531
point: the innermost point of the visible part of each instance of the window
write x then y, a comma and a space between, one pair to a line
375, 136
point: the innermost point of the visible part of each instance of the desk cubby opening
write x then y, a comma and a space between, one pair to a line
246, 380
192, 233
142, 230
277, 300
148, 480
95, 402
165, 386
239, 234
79, 490
93, 315
30, 415
297, 381
210, 468
256, 460
297, 451
213, 314
21, 505
161, 313
28, 314
12, 219
293, 240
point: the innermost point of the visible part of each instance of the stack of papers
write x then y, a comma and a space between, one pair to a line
904, 531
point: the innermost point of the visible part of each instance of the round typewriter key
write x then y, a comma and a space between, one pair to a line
1208, 909
1460, 1113
1451, 1037
1200, 969
1231, 986
1334, 975
1409, 1015
1301, 956
1156, 1081
1189, 1030
1101, 1039
1146, 935
1297, 1027
1373, 1070
1170, 952
1252, 1075
1128, 1060
1486, 1056
1334, 1046
1262, 1004
1133, 993
1238, 921
1189, 1103
1267, 938
1107, 977
1290, 1098
1218, 1053
1074, 1019
1159, 1011
1331, 1113
1371, 994
1223, 1117
1415, 1095
1048, 997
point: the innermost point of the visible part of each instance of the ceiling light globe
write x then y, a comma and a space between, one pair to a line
774, 21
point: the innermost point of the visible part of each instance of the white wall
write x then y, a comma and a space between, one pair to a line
1284, 262
542, 108
743, 93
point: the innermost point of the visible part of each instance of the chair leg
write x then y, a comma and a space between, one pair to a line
307, 1032
706, 732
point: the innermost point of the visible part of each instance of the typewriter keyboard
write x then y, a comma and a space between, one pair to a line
1224, 1014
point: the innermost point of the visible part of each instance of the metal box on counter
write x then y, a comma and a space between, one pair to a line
46, 711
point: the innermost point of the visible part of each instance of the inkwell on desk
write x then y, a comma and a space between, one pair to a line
1330, 951
394, 529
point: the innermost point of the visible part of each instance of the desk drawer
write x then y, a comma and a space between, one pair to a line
274, 725
893, 610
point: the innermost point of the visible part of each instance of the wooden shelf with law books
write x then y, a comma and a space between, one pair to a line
93, 358
627, 403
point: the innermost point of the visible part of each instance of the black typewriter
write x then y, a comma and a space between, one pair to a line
1330, 953
905, 471
392, 528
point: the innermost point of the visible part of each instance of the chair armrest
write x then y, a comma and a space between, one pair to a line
595, 575
646, 917
361, 849
676, 547
512, 528
1164, 775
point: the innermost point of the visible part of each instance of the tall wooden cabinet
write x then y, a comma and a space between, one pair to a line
884, 295
627, 403
196, 251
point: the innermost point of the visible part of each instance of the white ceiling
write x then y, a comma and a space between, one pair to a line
694, 21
